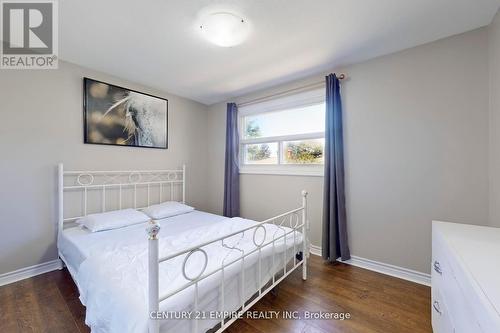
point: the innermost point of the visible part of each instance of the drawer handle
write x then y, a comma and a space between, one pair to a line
435, 305
437, 267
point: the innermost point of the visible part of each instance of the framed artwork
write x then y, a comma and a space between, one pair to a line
119, 116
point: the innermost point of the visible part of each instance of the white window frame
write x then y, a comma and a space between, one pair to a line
304, 98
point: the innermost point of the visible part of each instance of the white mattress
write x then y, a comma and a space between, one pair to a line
78, 243
110, 269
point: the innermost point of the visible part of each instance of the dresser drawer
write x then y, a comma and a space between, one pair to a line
458, 307
447, 288
440, 267
448, 297
441, 319
457, 261
477, 309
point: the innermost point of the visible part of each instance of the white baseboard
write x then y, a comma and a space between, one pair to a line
380, 267
30, 271
315, 250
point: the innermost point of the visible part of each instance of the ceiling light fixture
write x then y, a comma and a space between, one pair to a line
224, 29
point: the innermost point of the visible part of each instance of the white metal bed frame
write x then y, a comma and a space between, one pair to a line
295, 220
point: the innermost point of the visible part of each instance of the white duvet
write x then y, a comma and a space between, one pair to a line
113, 284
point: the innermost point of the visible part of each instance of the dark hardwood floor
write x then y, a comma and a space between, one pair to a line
375, 302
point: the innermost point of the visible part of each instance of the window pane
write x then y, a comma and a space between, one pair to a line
302, 120
304, 151
263, 153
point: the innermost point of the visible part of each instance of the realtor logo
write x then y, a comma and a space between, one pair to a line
29, 34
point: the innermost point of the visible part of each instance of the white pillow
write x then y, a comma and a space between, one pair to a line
112, 219
167, 209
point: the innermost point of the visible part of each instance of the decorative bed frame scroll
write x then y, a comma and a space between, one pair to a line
158, 180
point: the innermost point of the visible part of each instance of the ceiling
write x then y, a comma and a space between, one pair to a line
158, 43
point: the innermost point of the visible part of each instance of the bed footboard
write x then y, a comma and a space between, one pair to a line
292, 223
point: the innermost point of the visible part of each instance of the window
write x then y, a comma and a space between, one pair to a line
284, 136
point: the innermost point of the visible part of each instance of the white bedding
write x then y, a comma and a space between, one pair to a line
110, 269
77, 243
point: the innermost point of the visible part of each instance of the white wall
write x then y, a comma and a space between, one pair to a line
41, 125
494, 38
416, 142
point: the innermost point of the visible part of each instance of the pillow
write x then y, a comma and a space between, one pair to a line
112, 219
167, 209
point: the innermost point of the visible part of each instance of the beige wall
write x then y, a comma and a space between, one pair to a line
494, 36
416, 141
41, 125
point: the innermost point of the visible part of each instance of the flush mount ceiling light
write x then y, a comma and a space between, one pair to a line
224, 29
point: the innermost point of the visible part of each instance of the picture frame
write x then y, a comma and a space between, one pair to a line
119, 116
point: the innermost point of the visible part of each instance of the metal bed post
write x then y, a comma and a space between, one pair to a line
304, 235
153, 277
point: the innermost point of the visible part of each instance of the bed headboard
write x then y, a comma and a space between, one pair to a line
85, 192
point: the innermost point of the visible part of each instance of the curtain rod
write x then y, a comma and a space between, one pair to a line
288, 92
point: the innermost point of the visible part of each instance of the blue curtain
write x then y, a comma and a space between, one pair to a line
334, 212
232, 169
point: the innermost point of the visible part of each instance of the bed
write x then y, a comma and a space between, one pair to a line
193, 272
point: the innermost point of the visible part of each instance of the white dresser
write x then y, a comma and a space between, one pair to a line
465, 278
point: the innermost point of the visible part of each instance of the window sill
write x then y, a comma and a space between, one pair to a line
310, 171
